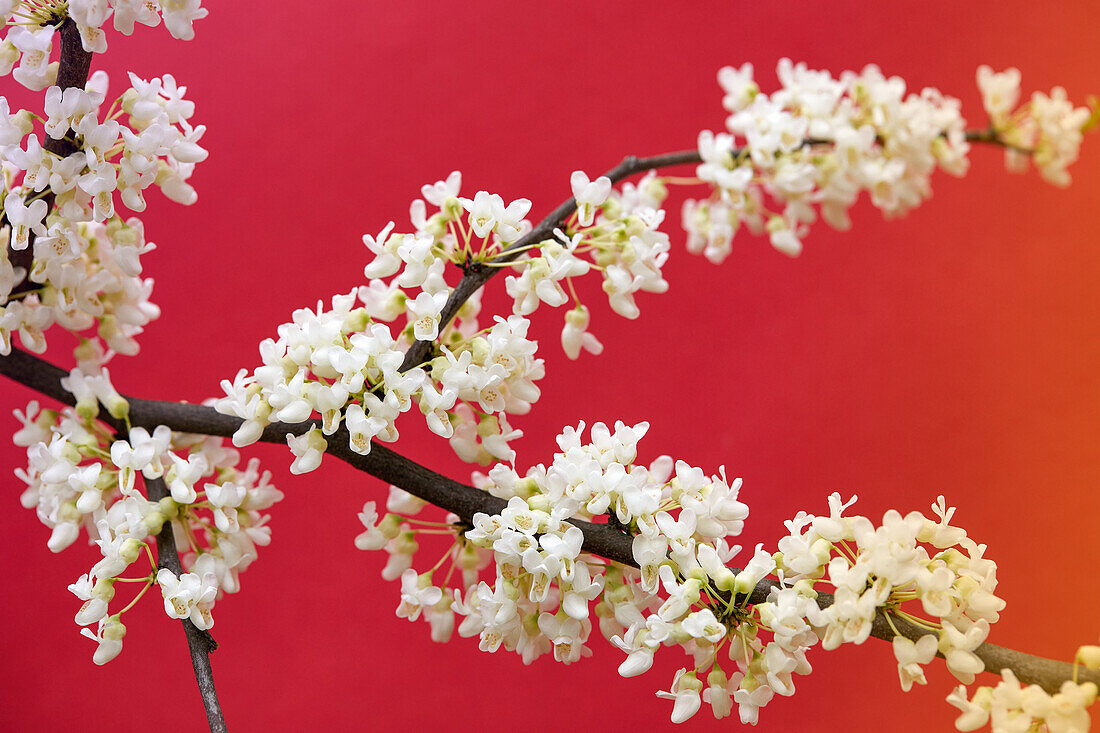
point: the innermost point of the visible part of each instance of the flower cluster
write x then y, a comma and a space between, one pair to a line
541, 595
681, 588
613, 232
85, 276
143, 139
33, 22
1009, 706
542, 586
346, 364
59, 189
1048, 128
78, 476
819, 142
876, 569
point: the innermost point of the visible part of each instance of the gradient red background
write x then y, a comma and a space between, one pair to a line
952, 352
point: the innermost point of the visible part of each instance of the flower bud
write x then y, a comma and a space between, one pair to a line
108, 648
406, 543
745, 582
691, 590
104, 589
168, 507
1089, 656
530, 623
805, 587
154, 521
526, 487
117, 406
114, 629
479, 346
452, 208
697, 573
578, 317
717, 677
87, 407
822, 549
63, 535
130, 550
390, 526
540, 503
468, 557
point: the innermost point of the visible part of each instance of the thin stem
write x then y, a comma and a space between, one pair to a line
148, 584
72, 71
199, 642
990, 136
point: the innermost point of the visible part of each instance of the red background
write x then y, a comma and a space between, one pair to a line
951, 352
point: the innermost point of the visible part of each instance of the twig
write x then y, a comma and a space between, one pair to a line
199, 641
989, 136
72, 71
476, 274
465, 501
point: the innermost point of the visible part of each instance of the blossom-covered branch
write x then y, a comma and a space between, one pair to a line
72, 72
477, 274
199, 641
466, 501
650, 546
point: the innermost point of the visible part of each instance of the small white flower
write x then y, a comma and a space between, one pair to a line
189, 596
109, 635
308, 449
590, 195
372, 538
686, 690
224, 498
416, 594
424, 313
911, 656
440, 192
179, 15
1000, 92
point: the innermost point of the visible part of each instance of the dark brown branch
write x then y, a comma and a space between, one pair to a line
465, 501
989, 136
199, 641
46, 379
476, 274
72, 71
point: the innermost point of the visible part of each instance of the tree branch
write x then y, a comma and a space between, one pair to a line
990, 136
72, 71
465, 501
199, 641
477, 274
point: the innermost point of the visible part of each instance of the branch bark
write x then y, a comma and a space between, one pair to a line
199, 641
465, 501
72, 71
